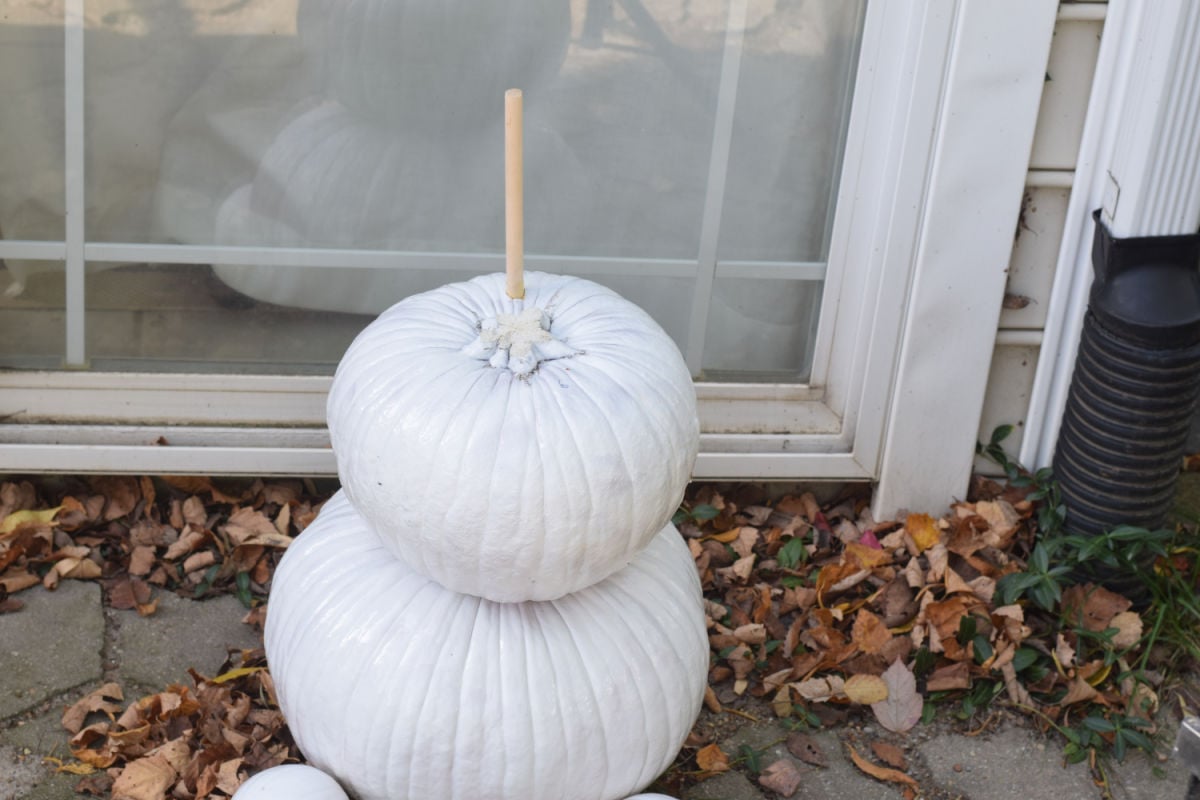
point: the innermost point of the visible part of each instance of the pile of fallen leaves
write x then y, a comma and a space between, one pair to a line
822, 613
182, 742
189, 535
816, 613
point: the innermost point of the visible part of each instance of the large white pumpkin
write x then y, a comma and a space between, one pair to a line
514, 449
403, 690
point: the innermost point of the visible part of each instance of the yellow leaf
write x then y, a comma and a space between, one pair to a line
18, 519
923, 530
77, 768
865, 689
234, 674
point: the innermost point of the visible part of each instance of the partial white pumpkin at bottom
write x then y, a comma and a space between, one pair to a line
404, 690
290, 782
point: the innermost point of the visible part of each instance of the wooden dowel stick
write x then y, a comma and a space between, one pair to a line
514, 197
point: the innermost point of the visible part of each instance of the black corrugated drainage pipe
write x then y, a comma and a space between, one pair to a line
1135, 385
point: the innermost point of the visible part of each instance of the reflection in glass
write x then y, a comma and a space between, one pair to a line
377, 124
31, 131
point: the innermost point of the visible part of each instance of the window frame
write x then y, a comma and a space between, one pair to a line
837, 427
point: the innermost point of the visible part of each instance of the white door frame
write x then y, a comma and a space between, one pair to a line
943, 116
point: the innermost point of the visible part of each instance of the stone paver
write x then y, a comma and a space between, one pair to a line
157, 650
727, 786
52, 645
19, 772
839, 779
1010, 763
1136, 779
30, 741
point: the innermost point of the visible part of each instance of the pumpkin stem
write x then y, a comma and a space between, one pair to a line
518, 342
514, 196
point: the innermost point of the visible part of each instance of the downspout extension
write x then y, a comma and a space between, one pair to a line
1135, 384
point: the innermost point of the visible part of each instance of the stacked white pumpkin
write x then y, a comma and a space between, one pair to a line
496, 605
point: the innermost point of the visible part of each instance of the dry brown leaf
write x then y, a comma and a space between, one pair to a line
1129, 629
805, 748
865, 690
903, 706
782, 704
949, 677
1064, 652
78, 569
100, 700
866, 557
147, 778
1093, 606
889, 754
142, 560
283, 519
199, 561
712, 759
227, 776
869, 632
741, 569
781, 777
189, 540
710, 700
820, 690
14, 580
121, 493
1077, 692
881, 773
751, 634
939, 559
248, 526
1002, 520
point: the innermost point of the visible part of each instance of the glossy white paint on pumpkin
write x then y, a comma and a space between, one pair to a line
404, 690
291, 782
500, 475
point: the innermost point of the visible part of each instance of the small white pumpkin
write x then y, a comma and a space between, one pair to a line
291, 782
403, 690
514, 449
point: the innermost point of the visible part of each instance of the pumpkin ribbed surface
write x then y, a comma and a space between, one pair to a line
404, 690
522, 475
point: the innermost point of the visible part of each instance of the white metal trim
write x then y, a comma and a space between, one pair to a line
1082, 12
75, 183
298, 461
33, 250
1050, 179
994, 82
1129, 72
714, 194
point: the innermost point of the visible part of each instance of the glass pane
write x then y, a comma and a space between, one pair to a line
181, 318
789, 126
31, 125
377, 124
33, 323
761, 330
